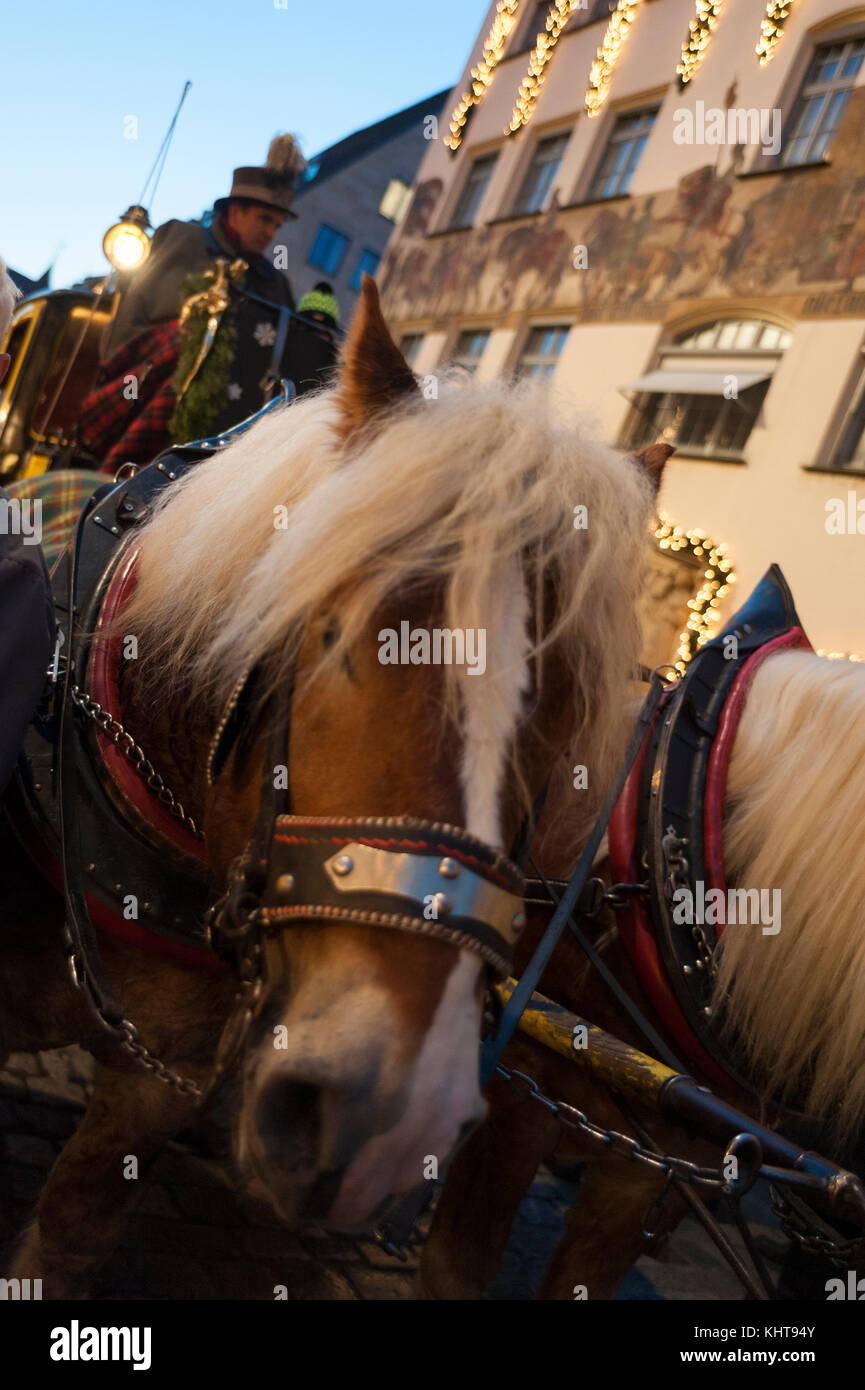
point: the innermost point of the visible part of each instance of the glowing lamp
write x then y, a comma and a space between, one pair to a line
127, 244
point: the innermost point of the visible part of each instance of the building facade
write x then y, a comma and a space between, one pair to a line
348, 203
670, 226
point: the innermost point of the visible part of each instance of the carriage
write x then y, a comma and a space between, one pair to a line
53, 341
291, 881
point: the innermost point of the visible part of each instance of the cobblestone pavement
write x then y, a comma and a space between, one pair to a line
190, 1238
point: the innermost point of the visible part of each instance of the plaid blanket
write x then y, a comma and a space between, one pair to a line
118, 429
62, 495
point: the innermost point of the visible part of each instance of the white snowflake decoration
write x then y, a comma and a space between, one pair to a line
265, 334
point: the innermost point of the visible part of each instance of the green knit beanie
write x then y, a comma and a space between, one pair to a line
318, 302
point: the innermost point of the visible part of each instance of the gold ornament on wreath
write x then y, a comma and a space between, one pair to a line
213, 301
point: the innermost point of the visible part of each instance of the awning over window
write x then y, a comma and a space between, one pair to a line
694, 383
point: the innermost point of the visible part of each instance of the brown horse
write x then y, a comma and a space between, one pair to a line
792, 997
346, 523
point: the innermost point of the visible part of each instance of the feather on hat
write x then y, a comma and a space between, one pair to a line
274, 183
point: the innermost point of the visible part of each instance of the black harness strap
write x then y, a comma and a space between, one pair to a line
636, 1014
85, 963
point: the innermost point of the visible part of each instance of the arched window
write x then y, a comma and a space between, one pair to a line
707, 389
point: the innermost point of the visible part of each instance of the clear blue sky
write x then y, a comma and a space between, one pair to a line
70, 74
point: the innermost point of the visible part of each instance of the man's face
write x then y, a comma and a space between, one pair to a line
255, 227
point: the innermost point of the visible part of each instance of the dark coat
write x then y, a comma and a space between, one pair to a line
179, 249
26, 638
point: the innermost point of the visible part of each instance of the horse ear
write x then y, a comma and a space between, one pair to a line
373, 374
652, 460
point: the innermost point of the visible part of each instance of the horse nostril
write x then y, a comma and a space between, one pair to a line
289, 1123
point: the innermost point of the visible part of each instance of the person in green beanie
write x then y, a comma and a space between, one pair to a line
311, 347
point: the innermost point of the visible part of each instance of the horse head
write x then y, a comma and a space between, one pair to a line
443, 586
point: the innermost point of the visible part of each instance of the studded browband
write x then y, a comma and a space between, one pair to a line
394, 871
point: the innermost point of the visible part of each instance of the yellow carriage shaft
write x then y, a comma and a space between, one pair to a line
641, 1079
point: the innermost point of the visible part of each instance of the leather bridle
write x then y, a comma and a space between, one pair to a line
395, 873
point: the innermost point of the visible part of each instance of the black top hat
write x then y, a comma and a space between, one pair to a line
274, 185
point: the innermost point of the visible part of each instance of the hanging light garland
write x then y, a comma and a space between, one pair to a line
601, 72
772, 29
483, 74
530, 87
699, 38
717, 578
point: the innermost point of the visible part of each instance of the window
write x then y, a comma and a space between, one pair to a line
473, 190
736, 333
622, 154
410, 345
541, 172
394, 200
850, 451
470, 348
825, 93
708, 388
542, 351
369, 262
328, 249
703, 424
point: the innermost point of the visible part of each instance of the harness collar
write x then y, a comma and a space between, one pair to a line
668, 823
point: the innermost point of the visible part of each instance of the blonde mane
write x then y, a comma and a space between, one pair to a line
466, 491
795, 821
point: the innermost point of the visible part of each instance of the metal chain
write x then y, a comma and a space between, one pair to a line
673, 847
125, 1033
146, 1059
126, 744
623, 1144
797, 1228
808, 1236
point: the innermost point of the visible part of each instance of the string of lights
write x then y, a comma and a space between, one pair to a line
715, 584
699, 38
530, 87
482, 75
772, 29
601, 72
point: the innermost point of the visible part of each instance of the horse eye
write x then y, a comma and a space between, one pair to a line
330, 634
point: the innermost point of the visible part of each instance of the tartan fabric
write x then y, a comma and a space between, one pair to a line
62, 495
118, 430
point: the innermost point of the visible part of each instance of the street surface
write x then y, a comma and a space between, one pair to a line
189, 1238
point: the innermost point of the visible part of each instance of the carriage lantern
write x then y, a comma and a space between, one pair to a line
127, 244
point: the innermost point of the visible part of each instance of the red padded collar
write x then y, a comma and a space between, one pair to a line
103, 677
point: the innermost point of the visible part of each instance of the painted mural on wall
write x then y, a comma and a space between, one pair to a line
715, 235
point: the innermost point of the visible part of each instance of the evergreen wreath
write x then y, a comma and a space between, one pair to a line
197, 412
